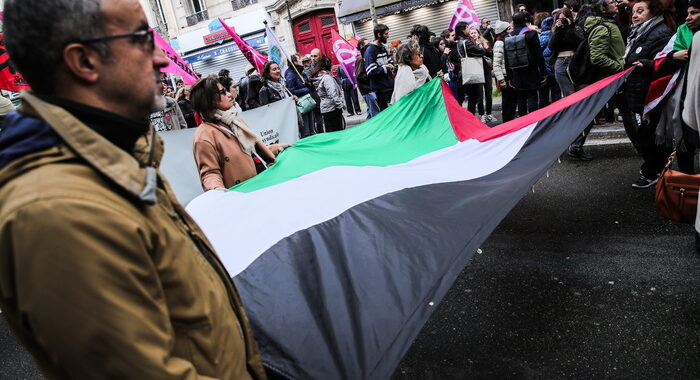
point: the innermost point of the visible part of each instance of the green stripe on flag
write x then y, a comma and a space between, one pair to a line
416, 125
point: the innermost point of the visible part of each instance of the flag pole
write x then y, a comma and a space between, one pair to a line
289, 59
373, 12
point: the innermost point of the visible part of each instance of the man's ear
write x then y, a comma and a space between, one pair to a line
82, 62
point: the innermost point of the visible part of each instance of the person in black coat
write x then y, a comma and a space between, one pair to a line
648, 36
431, 55
451, 64
183, 100
526, 80
243, 87
299, 85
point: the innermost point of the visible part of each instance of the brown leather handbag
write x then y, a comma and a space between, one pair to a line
677, 194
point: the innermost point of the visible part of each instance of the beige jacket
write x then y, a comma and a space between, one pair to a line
104, 275
221, 161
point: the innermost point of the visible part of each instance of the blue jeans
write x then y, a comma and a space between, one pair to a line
372, 105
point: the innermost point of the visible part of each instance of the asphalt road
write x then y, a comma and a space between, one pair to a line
581, 280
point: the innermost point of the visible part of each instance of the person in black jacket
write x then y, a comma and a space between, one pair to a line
451, 64
243, 87
468, 47
431, 55
526, 80
648, 35
566, 37
183, 100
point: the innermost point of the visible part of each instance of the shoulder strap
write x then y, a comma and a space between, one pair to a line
524, 30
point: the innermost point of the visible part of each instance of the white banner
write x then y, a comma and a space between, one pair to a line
275, 122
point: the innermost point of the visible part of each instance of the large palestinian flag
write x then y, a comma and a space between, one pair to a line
342, 249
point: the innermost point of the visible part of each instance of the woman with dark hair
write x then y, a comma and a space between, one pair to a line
331, 95
648, 35
299, 85
273, 87
563, 43
412, 73
227, 152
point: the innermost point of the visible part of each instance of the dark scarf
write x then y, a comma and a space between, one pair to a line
120, 131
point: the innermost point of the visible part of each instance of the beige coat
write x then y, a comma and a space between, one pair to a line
221, 161
691, 105
104, 275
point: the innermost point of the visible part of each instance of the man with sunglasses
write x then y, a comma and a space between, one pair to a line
102, 272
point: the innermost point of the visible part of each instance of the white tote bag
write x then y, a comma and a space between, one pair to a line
472, 70
472, 67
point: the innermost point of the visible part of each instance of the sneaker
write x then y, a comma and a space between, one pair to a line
491, 119
644, 182
578, 153
482, 118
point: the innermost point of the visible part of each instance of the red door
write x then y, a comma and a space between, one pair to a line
313, 30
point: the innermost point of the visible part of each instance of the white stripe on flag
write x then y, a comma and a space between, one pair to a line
276, 212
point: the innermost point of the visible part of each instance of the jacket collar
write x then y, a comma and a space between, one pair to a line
136, 178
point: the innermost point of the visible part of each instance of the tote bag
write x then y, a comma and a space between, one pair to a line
305, 104
472, 70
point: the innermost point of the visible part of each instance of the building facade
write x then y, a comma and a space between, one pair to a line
301, 25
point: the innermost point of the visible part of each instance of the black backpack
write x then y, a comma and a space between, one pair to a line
517, 52
581, 70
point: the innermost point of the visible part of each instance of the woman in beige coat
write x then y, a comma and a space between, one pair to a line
227, 152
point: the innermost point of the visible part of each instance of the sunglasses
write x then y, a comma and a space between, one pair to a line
223, 91
142, 37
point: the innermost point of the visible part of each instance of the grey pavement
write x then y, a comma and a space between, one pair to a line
582, 280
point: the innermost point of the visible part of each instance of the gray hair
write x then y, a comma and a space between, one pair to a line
36, 31
405, 53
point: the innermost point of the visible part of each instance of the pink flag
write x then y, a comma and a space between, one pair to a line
256, 59
464, 12
345, 53
177, 64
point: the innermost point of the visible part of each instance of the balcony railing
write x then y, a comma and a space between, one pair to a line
239, 4
197, 18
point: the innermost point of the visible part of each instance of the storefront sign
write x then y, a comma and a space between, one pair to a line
227, 49
213, 37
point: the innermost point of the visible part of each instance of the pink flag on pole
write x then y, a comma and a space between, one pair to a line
256, 59
177, 64
464, 12
345, 53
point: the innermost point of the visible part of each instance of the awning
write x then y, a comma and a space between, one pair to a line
353, 10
